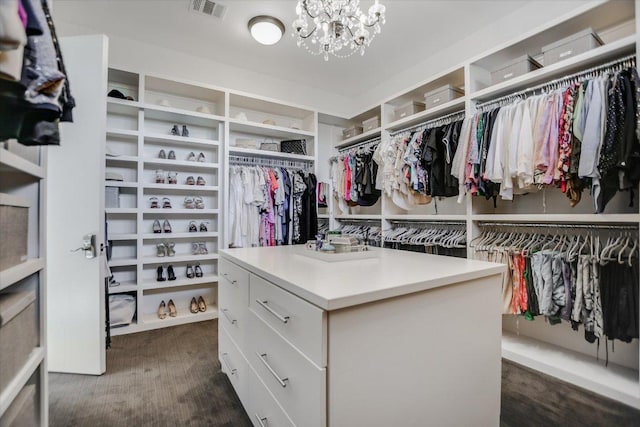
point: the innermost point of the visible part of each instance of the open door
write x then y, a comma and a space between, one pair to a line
75, 217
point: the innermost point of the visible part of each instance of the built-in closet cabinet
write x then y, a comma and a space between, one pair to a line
554, 350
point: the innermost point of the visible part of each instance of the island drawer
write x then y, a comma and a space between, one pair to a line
233, 273
233, 303
297, 384
263, 408
304, 325
233, 364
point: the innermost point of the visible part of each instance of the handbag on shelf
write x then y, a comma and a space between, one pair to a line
294, 146
269, 145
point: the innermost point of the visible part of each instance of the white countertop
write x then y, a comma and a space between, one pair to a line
335, 285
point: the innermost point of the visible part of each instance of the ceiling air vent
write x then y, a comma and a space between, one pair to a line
214, 9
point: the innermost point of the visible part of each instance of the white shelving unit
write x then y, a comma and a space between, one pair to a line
23, 174
554, 351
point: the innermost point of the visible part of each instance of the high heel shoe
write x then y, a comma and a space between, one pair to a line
202, 248
188, 203
190, 181
192, 227
195, 248
172, 177
202, 305
175, 130
171, 155
198, 271
154, 202
172, 309
189, 272
170, 273
160, 277
166, 226
201, 158
193, 307
170, 246
201, 181
203, 227
166, 203
159, 176
162, 310
162, 154
185, 131
198, 202
156, 227
162, 250
191, 157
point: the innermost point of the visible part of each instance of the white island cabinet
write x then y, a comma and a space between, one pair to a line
400, 339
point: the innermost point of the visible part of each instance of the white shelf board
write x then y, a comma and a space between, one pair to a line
324, 216
18, 272
178, 258
430, 114
121, 184
122, 132
151, 321
125, 102
614, 381
171, 112
191, 165
427, 217
577, 63
121, 159
123, 236
194, 212
13, 163
181, 187
183, 140
20, 379
272, 131
359, 216
266, 153
371, 134
179, 282
172, 236
572, 218
122, 262
121, 211
128, 286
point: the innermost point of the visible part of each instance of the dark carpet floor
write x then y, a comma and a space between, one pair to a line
171, 377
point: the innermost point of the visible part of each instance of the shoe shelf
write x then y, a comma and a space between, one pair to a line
172, 236
121, 184
181, 187
20, 380
152, 321
123, 236
114, 160
122, 132
169, 113
18, 272
10, 162
178, 282
121, 211
266, 153
175, 139
181, 163
178, 258
194, 212
128, 286
122, 262
124, 102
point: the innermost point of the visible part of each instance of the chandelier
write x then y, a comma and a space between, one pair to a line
326, 27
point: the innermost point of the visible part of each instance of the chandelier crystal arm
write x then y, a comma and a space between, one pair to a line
308, 35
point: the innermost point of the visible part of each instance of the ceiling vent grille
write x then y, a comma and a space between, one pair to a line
210, 8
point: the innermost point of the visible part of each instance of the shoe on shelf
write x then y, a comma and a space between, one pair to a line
113, 282
201, 158
154, 202
166, 203
166, 226
198, 202
160, 275
172, 177
185, 131
170, 273
162, 250
175, 130
195, 248
156, 226
171, 155
201, 181
192, 227
202, 305
198, 271
172, 309
190, 181
159, 176
203, 227
170, 248
193, 307
162, 154
189, 272
191, 157
189, 203
162, 310
202, 248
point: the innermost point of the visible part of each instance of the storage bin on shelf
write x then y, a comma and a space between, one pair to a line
517, 67
14, 225
370, 124
18, 332
408, 109
441, 95
573, 45
351, 132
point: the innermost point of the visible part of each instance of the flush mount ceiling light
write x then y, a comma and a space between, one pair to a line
326, 27
266, 30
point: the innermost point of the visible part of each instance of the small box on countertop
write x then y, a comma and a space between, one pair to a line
517, 67
351, 132
408, 109
18, 332
112, 197
570, 46
14, 229
370, 124
441, 95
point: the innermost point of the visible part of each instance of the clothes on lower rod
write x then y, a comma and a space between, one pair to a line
354, 176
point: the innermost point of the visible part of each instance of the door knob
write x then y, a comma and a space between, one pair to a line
88, 246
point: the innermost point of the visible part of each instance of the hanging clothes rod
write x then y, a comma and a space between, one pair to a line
561, 226
278, 163
360, 220
411, 223
609, 66
443, 120
367, 143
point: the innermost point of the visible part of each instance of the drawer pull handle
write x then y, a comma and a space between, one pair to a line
226, 363
226, 276
263, 304
261, 420
229, 318
263, 358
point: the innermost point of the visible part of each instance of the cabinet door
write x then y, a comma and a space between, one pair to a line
75, 207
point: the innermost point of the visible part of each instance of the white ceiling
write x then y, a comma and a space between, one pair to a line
414, 29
